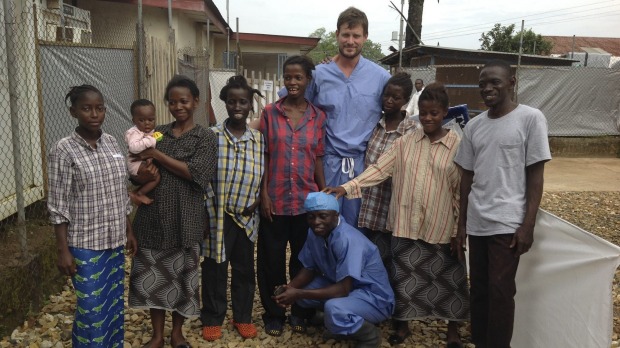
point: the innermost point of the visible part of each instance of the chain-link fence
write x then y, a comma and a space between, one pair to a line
577, 101
47, 48
44, 50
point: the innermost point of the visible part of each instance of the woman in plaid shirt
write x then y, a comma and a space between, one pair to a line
392, 125
88, 205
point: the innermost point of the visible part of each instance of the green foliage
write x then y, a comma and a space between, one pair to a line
505, 39
328, 47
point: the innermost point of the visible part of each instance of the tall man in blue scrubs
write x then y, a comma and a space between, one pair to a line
349, 90
343, 274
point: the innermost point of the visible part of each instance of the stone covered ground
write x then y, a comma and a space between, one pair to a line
597, 212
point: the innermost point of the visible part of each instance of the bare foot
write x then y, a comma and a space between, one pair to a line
154, 343
178, 341
138, 198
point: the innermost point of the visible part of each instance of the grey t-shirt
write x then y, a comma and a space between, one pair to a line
497, 151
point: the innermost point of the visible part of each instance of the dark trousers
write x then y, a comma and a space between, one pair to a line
493, 267
271, 258
240, 255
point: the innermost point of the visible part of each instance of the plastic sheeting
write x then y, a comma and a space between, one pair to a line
111, 70
577, 101
564, 288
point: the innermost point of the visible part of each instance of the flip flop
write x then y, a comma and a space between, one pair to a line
274, 327
298, 324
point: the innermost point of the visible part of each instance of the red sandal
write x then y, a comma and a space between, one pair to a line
246, 330
212, 333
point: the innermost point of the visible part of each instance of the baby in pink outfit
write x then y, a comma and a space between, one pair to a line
140, 137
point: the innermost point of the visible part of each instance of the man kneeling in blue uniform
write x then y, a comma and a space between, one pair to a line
343, 274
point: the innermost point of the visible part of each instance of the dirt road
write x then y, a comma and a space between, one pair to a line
582, 174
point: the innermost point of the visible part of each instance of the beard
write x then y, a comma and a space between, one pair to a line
357, 52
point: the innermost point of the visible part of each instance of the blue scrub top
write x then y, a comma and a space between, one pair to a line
348, 253
353, 105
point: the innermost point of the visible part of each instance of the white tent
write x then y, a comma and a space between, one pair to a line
564, 288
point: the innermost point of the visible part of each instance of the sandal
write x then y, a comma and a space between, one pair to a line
212, 333
246, 330
397, 338
298, 324
274, 326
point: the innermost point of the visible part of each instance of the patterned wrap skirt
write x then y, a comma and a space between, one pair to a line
166, 279
428, 281
98, 282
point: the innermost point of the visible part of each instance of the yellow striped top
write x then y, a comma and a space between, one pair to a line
425, 186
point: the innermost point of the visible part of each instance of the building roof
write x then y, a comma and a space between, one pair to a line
199, 10
468, 56
305, 43
564, 44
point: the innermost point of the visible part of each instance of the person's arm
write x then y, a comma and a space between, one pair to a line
138, 142
146, 172
524, 235
295, 291
257, 155
266, 205
373, 175
319, 173
132, 244
459, 245
65, 263
176, 167
60, 181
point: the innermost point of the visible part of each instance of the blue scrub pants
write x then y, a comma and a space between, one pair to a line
345, 315
337, 174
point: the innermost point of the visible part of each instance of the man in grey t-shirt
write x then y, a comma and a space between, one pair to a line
502, 157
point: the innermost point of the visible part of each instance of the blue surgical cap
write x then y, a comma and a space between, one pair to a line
321, 201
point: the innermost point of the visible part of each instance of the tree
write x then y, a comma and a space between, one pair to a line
505, 39
328, 47
414, 17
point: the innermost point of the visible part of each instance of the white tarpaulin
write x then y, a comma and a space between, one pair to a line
564, 288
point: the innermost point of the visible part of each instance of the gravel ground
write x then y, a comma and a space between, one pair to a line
597, 212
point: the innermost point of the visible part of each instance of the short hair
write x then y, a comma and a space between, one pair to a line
500, 64
138, 103
306, 64
353, 17
437, 92
416, 80
77, 92
402, 80
238, 81
182, 81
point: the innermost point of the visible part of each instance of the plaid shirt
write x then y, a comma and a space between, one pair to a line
376, 199
292, 155
88, 190
236, 186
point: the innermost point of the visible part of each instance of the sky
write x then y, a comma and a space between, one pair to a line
449, 23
